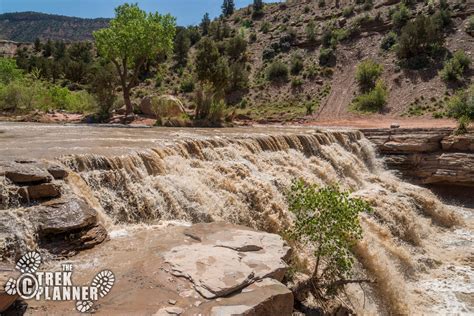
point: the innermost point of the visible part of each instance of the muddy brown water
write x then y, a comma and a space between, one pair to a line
143, 177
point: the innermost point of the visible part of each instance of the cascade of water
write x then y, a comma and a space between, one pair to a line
243, 180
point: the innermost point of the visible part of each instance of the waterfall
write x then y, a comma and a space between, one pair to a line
243, 180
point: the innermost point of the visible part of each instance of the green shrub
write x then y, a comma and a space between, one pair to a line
27, 95
103, 83
455, 68
277, 71
297, 64
296, 83
373, 100
419, 40
9, 71
311, 32
442, 19
470, 26
326, 219
461, 107
187, 85
400, 17
348, 11
325, 56
321, 3
389, 41
238, 77
368, 5
265, 28
367, 74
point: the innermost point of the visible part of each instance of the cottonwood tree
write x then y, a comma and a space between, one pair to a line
133, 38
327, 219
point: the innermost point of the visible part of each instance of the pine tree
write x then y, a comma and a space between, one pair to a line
206, 21
37, 46
228, 7
257, 7
48, 49
182, 43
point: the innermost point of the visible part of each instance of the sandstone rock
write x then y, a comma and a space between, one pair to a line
24, 172
224, 262
43, 190
57, 171
267, 297
62, 215
463, 143
162, 106
427, 156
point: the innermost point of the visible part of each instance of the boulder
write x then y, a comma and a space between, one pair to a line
43, 190
222, 263
62, 215
24, 172
57, 171
162, 106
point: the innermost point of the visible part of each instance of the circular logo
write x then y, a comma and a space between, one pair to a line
27, 286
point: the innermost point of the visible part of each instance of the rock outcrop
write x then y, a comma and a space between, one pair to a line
427, 156
38, 208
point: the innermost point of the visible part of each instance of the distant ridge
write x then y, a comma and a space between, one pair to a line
27, 26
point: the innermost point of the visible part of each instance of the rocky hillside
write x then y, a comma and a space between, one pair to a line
362, 28
27, 26
320, 88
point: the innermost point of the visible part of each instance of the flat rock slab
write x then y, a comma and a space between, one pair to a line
224, 262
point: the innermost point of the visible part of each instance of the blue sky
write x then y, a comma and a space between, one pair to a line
187, 11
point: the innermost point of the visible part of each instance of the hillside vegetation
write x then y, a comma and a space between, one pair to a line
298, 61
28, 26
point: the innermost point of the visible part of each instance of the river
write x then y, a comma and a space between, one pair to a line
418, 249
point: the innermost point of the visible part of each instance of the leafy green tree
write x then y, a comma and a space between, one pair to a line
327, 219
205, 23
228, 7
367, 74
182, 44
133, 38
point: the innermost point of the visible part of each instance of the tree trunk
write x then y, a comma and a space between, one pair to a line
128, 102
